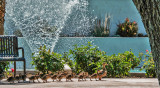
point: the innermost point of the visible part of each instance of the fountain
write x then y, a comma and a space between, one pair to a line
41, 22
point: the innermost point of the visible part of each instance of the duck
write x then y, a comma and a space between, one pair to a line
32, 78
41, 75
38, 75
17, 78
54, 76
62, 75
82, 75
23, 77
103, 72
1, 77
45, 78
94, 75
70, 76
85, 75
10, 79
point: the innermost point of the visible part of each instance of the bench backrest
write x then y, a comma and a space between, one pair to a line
8, 46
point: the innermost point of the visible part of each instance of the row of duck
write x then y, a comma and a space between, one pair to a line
58, 76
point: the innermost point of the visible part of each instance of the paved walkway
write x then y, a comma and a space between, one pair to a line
105, 83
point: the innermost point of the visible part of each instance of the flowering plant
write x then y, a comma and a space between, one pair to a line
149, 65
127, 29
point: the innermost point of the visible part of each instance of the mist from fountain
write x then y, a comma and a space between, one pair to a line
41, 21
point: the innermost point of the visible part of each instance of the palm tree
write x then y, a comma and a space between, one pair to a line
150, 13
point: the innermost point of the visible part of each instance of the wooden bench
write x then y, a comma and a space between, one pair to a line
9, 51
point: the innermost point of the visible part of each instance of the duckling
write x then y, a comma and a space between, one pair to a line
32, 78
10, 79
80, 76
85, 75
38, 76
95, 75
65, 73
70, 76
102, 73
1, 77
41, 75
45, 78
54, 77
17, 78
23, 77
60, 76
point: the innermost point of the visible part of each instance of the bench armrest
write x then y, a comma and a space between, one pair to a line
22, 51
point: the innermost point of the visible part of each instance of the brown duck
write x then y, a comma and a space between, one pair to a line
32, 78
70, 76
94, 75
85, 75
45, 78
1, 77
54, 76
22, 77
10, 79
62, 75
38, 75
17, 78
82, 75
102, 73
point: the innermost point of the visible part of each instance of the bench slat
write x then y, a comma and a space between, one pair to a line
8, 46
12, 59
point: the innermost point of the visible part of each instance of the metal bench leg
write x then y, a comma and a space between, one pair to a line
24, 67
14, 68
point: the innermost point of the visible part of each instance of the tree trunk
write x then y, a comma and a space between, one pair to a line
2, 14
150, 13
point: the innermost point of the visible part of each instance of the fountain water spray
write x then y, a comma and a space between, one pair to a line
40, 21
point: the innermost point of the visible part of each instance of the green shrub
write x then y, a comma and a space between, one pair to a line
45, 61
67, 60
120, 65
4, 66
149, 65
127, 29
85, 58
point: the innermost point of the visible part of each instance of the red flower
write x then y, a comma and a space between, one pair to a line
12, 69
134, 22
127, 19
147, 51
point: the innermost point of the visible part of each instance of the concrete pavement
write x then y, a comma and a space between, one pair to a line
105, 83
